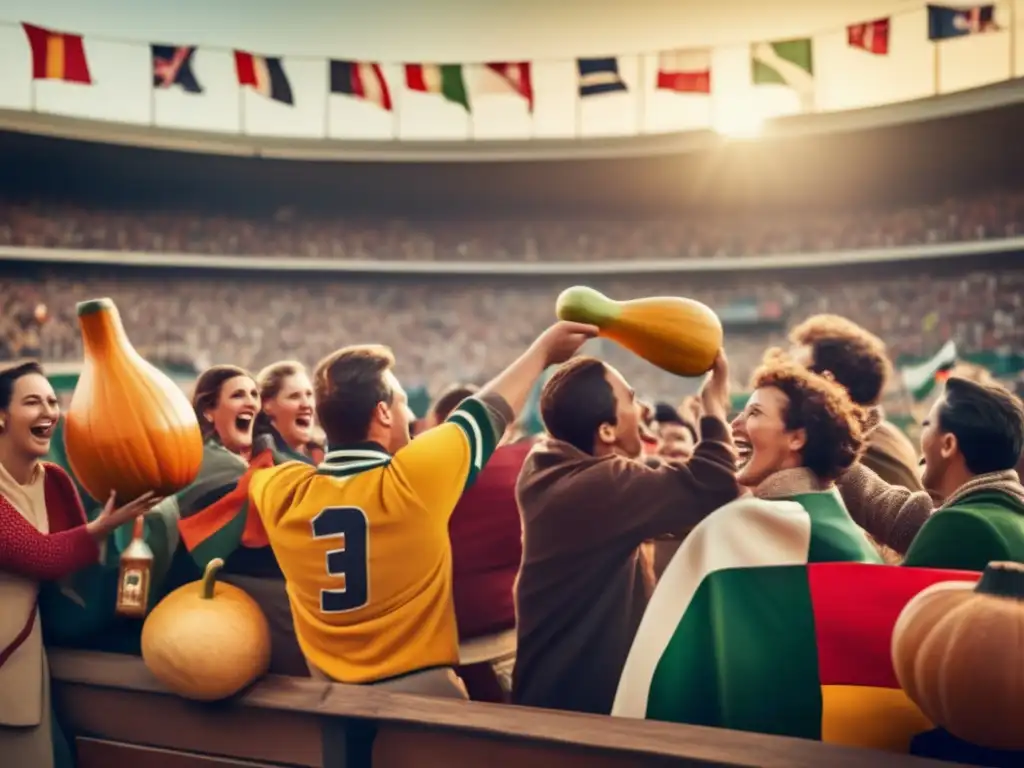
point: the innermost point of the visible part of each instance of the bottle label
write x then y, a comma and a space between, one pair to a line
133, 592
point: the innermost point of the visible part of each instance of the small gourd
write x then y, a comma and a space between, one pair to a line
206, 640
129, 428
957, 651
681, 336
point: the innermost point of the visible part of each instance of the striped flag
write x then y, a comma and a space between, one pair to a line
362, 80
597, 76
684, 71
442, 79
921, 379
265, 75
945, 22
870, 36
743, 632
509, 77
214, 514
57, 56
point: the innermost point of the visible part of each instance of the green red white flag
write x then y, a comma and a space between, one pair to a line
442, 79
744, 633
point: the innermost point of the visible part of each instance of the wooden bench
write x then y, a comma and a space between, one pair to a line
120, 716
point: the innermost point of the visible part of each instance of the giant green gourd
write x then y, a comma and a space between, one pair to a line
681, 336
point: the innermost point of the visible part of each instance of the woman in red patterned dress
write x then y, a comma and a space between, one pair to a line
44, 536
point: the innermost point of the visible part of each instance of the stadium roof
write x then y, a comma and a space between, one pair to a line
894, 164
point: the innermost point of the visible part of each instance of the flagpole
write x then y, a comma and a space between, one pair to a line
1013, 38
641, 96
579, 101
397, 98
241, 109
936, 65
327, 110
152, 104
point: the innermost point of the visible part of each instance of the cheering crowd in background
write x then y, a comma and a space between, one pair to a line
460, 329
288, 232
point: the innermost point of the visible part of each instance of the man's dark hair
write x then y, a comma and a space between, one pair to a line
10, 374
450, 398
664, 413
988, 422
856, 358
348, 385
577, 400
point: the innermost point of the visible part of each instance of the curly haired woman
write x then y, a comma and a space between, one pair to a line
738, 589
799, 432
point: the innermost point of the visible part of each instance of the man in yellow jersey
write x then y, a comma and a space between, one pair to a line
363, 538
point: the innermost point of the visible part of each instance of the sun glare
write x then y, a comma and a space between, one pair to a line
738, 120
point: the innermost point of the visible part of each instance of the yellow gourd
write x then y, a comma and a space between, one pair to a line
681, 336
957, 651
129, 428
206, 640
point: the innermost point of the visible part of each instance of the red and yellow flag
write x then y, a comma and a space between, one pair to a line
57, 55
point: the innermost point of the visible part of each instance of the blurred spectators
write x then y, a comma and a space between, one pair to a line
996, 215
446, 329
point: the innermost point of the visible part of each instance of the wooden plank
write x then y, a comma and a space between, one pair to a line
400, 746
156, 720
290, 697
99, 753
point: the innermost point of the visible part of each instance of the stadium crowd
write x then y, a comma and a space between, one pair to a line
997, 214
461, 329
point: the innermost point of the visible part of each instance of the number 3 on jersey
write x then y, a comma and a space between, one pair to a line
350, 563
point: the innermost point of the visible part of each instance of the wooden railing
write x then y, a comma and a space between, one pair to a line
120, 716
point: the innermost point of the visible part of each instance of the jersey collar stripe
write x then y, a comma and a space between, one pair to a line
354, 453
350, 468
476, 435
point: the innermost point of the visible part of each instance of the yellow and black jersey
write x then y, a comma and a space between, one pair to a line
363, 543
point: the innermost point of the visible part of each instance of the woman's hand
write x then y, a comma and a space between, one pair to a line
110, 518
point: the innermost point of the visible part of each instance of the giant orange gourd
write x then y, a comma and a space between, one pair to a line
682, 336
957, 650
129, 427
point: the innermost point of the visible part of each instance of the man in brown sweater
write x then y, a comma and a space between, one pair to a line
587, 506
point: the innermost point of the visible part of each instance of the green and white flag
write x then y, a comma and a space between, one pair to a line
773, 617
789, 63
442, 79
920, 379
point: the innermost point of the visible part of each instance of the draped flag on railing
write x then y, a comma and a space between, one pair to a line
792, 649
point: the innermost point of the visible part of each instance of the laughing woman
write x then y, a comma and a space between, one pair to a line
44, 537
287, 415
227, 402
798, 432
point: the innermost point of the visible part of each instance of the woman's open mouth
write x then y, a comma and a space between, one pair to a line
304, 421
243, 422
43, 429
744, 451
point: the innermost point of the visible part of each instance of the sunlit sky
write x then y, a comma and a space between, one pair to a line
306, 32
